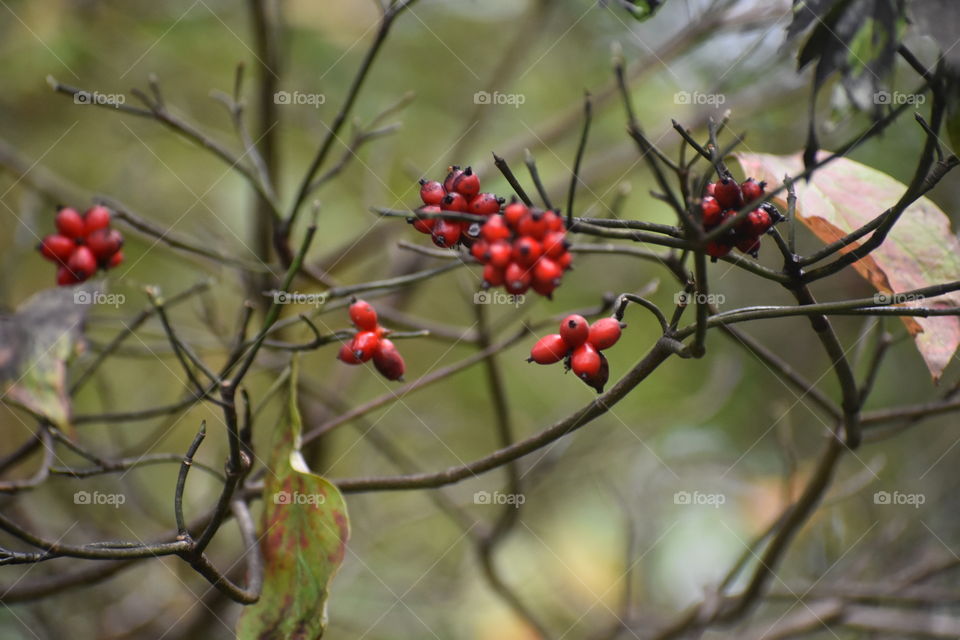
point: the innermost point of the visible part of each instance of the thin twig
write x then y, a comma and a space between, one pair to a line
182, 532
531, 163
578, 159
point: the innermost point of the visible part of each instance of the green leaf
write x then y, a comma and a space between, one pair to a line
304, 536
36, 344
920, 251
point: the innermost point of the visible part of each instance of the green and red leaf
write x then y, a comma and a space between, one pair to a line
304, 536
920, 251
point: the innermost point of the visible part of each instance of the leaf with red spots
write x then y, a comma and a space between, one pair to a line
304, 536
920, 251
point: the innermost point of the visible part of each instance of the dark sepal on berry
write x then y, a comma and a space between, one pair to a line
775, 214
598, 381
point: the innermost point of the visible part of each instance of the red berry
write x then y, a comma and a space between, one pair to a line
534, 225
114, 260
604, 333
720, 219
425, 225
56, 247
484, 204
348, 355
431, 192
727, 193
547, 271
467, 183
526, 251
709, 191
585, 361
599, 379
513, 212
96, 217
717, 249
548, 349
446, 233
554, 221
565, 260
453, 173
104, 243
66, 277
388, 360
516, 279
82, 263
574, 330
757, 222
479, 251
495, 229
493, 276
499, 254
363, 315
751, 189
453, 201
364, 345
749, 244
69, 223
555, 244
711, 211
544, 287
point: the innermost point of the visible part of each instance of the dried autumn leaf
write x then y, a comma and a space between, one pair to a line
303, 541
36, 342
920, 251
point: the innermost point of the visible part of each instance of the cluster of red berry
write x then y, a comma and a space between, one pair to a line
580, 345
523, 249
724, 197
370, 342
458, 193
82, 244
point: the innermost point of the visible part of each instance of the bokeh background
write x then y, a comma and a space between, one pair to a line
602, 499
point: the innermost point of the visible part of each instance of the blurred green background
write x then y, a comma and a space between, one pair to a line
724, 424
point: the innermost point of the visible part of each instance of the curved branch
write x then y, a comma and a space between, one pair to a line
654, 358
